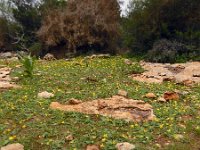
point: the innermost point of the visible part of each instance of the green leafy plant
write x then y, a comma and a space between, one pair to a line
28, 64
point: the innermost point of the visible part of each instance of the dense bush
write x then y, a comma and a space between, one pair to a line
81, 26
152, 20
165, 51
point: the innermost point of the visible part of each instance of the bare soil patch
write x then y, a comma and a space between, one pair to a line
117, 107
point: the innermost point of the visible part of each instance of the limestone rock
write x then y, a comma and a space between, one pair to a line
122, 93
45, 95
6, 55
5, 80
150, 95
161, 99
125, 146
117, 107
8, 85
15, 146
69, 137
128, 62
74, 101
49, 57
98, 56
92, 147
171, 96
186, 73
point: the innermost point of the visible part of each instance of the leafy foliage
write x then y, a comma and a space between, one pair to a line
152, 20
28, 64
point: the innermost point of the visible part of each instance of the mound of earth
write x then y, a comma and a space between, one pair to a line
5, 80
117, 107
185, 73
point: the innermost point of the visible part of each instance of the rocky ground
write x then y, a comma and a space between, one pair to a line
183, 73
117, 107
5, 80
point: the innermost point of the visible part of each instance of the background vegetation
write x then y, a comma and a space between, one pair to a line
82, 27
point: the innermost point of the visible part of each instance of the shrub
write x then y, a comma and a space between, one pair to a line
81, 26
165, 51
152, 20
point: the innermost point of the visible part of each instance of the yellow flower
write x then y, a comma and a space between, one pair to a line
103, 140
105, 136
156, 120
12, 137
161, 126
8, 130
101, 145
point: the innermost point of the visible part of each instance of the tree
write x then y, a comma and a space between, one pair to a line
7, 25
3, 31
81, 26
28, 16
151, 20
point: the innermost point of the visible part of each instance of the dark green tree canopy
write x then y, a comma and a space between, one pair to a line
150, 20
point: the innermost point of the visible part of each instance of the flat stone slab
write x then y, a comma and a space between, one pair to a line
5, 80
117, 107
186, 73
15, 146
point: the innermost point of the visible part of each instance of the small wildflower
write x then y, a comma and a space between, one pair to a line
11, 138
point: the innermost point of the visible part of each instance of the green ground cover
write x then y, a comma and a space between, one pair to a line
28, 120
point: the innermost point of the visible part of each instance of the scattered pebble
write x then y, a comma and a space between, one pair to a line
45, 95
161, 99
125, 146
171, 96
69, 137
122, 93
92, 147
150, 95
